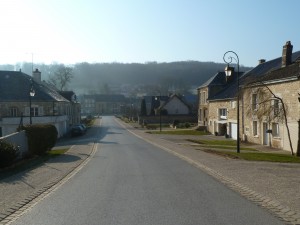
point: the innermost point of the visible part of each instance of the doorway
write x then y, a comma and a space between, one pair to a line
265, 134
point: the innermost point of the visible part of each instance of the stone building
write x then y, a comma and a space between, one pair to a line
271, 102
46, 105
217, 105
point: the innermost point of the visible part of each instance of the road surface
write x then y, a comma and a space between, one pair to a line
130, 182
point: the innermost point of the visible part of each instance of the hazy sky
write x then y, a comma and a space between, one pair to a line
126, 31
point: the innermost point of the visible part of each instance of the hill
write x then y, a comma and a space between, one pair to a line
94, 77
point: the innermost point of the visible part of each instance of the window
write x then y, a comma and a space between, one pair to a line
254, 102
233, 104
34, 111
275, 129
203, 97
223, 114
13, 112
200, 115
255, 133
275, 104
200, 99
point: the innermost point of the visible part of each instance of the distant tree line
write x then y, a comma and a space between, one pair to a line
149, 77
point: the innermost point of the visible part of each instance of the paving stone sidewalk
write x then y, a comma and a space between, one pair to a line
23, 187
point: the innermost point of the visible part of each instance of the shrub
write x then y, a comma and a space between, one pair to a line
187, 125
41, 138
151, 126
8, 154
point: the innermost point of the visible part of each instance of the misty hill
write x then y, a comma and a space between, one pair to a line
174, 74
94, 77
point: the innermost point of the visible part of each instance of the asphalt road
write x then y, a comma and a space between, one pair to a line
130, 182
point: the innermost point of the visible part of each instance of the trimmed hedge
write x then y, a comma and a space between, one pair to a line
41, 138
8, 154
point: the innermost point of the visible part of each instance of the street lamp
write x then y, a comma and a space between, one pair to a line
156, 98
229, 72
31, 94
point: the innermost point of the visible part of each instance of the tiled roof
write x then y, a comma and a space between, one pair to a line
289, 71
171, 98
67, 94
217, 79
264, 68
228, 92
15, 86
270, 70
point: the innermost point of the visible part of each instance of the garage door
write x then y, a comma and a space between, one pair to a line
233, 131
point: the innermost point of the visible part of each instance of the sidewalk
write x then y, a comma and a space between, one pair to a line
19, 189
275, 186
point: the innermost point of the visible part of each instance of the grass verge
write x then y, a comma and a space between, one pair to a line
257, 156
220, 144
179, 132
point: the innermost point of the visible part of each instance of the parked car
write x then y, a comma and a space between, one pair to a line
77, 130
83, 126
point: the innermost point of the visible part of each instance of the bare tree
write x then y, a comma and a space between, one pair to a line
62, 77
269, 105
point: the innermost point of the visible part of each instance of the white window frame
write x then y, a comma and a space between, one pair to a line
276, 106
34, 111
233, 104
200, 115
255, 102
223, 113
255, 128
275, 130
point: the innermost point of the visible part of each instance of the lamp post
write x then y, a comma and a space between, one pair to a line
229, 72
31, 94
156, 98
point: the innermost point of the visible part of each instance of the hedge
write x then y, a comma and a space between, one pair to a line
41, 138
8, 153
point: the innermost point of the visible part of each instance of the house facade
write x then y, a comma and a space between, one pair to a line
217, 105
174, 105
98, 104
205, 91
45, 106
272, 104
269, 104
167, 109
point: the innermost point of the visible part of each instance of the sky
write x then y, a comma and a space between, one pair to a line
141, 31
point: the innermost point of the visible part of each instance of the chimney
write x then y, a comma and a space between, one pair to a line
287, 54
261, 61
37, 76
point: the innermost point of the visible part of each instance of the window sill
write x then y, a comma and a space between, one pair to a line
277, 137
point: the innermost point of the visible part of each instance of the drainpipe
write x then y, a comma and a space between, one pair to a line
298, 148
